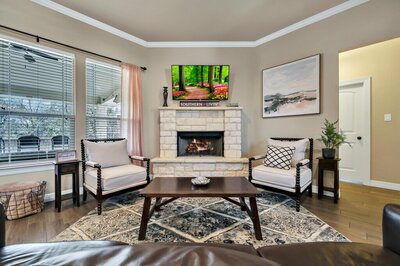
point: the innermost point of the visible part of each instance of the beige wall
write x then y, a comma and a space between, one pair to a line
381, 62
369, 23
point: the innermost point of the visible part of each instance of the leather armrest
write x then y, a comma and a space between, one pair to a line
391, 227
257, 157
92, 164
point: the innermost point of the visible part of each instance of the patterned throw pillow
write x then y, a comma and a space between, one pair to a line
279, 157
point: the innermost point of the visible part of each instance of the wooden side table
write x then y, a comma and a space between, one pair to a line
64, 168
329, 165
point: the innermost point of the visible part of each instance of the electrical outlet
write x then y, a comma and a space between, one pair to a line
387, 117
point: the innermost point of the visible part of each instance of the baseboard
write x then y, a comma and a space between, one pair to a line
52, 196
326, 193
374, 183
382, 184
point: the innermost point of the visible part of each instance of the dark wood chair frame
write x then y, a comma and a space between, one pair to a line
99, 195
297, 194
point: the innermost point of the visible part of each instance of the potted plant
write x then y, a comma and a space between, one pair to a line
332, 139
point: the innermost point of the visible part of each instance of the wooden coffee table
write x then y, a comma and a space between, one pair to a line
173, 188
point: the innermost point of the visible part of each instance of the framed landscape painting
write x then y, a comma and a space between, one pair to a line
292, 88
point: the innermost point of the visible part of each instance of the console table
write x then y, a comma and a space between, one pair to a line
329, 165
64, 168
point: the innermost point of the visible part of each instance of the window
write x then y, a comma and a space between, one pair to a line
36, 102
103, 100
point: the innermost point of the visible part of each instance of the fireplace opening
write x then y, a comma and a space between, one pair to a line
200, 143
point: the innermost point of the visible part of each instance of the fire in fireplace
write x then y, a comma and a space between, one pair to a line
200, 143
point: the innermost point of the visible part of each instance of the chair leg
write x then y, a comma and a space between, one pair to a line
99, 207
297, 203
84, 194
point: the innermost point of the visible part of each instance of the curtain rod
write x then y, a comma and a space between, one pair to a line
38, 38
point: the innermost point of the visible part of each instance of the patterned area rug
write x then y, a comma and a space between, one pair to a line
208, 220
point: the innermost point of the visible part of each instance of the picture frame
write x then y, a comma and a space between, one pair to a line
66, 156
292, 88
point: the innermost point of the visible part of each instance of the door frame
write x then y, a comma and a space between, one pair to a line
366, 85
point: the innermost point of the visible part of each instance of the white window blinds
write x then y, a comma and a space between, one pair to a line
36, 102
103, 100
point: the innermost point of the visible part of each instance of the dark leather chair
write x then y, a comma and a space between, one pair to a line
59, 142
29, 142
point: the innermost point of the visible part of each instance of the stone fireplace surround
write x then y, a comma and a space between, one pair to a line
226, 119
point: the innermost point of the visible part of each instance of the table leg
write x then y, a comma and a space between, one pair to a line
156, 207
255, 218
336, 187
55, 190
145, 218
320, 183
243, 208
73, 189
76, 178
58, 192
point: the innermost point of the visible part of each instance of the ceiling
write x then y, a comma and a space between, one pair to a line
198, 20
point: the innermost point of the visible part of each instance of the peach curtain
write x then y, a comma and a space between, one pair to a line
131, 107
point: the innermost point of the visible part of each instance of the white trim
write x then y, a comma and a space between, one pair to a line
52, 196
310, 20
22, 168
366, 156
91, 21
37, 46
382, 184
375, 183
326, 193
204, 44
96, 62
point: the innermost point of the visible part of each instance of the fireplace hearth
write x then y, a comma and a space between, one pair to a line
200, 143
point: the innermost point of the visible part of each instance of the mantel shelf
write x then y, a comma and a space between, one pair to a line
216, 108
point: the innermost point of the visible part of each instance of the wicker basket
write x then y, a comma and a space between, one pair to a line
22, 199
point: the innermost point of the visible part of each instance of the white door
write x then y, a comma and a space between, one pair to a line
354, 120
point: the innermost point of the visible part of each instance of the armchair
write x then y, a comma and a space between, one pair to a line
294, 181
107, 169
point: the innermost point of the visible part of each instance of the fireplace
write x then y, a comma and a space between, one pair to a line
200, 143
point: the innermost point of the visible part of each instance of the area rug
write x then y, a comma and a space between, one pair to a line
202, 220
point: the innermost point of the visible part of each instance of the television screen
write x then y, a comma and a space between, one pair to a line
200, 82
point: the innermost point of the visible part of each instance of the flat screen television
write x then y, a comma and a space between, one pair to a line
200, 82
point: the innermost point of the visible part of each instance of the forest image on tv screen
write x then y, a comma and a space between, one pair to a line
202, 82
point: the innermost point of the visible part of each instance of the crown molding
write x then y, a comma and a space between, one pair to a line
90, 21
200, 44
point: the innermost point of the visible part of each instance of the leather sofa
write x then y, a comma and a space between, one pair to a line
116, 253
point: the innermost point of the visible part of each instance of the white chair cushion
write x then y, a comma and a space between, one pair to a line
108, 154
281, 177
117, 177
299, 152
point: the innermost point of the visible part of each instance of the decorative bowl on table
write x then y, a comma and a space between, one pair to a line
200, 181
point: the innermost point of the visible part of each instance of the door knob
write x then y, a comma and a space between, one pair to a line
359, 137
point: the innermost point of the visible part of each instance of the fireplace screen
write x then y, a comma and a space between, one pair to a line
201, 143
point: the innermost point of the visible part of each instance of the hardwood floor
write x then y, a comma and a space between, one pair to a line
43, 226
357, 215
